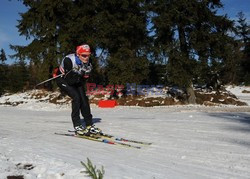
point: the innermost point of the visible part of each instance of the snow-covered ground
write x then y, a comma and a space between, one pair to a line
188, 142
239, 92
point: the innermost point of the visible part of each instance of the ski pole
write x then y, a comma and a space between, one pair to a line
49, 79
54, 78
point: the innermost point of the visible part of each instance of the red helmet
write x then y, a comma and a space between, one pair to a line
83, 49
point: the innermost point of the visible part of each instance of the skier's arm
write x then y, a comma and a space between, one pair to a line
67, 65
71, 76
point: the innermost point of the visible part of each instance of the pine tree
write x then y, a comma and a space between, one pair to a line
18, 77
243, 29
243, 32
3, 71
121, 32
187, 31
3, 57
55, 28
41, 24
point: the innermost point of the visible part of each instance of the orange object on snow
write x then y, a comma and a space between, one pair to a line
107, 103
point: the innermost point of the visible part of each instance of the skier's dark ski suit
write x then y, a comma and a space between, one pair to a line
73, 82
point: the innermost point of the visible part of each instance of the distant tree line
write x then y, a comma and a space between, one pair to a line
171, 42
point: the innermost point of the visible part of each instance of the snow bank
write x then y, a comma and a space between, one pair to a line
49, 101
242, 92
34, 100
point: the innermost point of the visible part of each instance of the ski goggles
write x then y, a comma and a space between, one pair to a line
84, 56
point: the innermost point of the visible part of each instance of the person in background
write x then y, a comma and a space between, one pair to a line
76, 69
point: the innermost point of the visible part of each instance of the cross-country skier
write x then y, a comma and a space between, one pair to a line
76, 69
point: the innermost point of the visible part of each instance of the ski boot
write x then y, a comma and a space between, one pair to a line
80, 130
94, 130
89, 130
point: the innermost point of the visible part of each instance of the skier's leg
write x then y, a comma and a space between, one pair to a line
86, 113
85, 108
76, 101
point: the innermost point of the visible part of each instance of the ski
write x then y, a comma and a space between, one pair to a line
99, 139
119, 138
124, 139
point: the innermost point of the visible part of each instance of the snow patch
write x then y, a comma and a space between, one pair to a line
240, 92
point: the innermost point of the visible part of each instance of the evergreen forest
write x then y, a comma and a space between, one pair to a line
168, 42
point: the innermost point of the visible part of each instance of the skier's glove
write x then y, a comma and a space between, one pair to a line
85, 70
